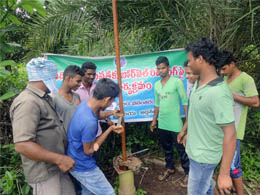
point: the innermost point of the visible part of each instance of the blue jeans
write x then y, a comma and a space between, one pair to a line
200, 180
236, 170
93, 182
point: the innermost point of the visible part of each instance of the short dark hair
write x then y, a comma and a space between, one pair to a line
88, 65
72, 70
185, 64
205, 48
224, 58
106, 88
162, 59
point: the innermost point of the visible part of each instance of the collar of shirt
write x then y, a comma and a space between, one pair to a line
84, 94
41, 94
36, 90
91, 88
213, 82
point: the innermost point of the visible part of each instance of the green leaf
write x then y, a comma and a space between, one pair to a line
14, 19
14, 44
7, 95
9, 175
7, 62
26, 189
3, 72
8, 28
28, 8
5, 48
30, 5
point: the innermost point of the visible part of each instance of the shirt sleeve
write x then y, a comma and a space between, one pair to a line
156, 97
223, 109
89, 132
249, 87
182, 92
25, 119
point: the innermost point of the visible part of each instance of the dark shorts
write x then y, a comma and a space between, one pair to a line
236, 170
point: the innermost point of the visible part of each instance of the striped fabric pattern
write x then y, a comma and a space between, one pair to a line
41, 69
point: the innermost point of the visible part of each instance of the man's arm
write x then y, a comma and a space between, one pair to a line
25, 119
229, 145
155, 116
35, 152
105, 114
185, 108
91, 147
247, 101
184, 128
184, 100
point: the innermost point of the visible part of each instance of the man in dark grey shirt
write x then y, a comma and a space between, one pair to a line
65, 99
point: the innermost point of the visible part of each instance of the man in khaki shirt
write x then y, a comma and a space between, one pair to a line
38, 133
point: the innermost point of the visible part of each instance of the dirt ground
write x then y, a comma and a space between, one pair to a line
153, 186
147, 180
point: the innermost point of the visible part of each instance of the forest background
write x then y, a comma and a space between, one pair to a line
29, 28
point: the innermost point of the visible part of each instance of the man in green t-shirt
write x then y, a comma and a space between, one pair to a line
245, 95
211, 132
168, 92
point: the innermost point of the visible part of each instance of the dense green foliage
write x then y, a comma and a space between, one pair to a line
12, 178
12, 37
85, 27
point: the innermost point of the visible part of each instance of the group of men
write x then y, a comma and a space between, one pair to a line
60, 133
215, 124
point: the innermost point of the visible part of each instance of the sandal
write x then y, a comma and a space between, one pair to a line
166, 174
184, 182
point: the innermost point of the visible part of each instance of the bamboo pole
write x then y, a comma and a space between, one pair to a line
118, 68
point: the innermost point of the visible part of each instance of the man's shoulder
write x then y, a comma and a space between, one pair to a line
175, 81
84, 116
157, 83
221, 90
220, 86
26, 96
55, 96
246, 77
83, 110
25, 99
58, 100
83, 105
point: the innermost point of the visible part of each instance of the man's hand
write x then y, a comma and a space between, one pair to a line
180, 136
116, 113
234, 96
65, 163
153, 126
184, 140
109, 122
117, 129
224, 184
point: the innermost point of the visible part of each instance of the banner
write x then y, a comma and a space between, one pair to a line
138, 74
